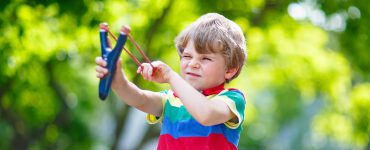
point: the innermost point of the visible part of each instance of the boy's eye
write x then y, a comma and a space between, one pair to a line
207, 58
186, 56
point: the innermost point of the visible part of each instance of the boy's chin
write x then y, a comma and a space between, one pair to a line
196, 85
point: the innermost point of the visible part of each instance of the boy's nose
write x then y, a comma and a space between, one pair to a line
194, 63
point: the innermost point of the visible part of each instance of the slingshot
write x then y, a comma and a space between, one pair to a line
111, 56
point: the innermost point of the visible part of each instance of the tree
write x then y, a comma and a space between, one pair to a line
306, 80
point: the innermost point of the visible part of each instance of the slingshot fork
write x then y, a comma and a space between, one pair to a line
111, 55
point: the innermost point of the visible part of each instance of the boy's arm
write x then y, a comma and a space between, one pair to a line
203, 110
144, 100
147, 101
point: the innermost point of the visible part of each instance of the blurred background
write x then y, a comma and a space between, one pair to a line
306, 80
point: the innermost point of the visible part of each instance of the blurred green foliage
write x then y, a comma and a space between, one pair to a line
306, 79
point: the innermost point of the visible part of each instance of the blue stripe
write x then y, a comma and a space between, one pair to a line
191, 128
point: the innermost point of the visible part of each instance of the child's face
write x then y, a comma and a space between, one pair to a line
202, 71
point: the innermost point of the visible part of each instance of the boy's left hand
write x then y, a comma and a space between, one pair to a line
160, 73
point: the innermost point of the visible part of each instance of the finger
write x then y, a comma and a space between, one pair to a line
157, 67
99, 75
150, 73
101, 70
145, 70
139, 69
100, 61
119, 62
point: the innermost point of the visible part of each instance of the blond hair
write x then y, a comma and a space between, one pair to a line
213, 33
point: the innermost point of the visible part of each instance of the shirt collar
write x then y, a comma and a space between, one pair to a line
210, 91
214, 90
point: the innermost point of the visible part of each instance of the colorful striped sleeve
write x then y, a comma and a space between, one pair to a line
235, 100
152, 119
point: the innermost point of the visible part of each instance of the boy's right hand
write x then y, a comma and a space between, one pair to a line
102, 71
161, 74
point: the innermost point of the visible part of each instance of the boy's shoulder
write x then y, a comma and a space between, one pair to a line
233, 93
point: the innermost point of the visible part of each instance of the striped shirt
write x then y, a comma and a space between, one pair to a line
181, 131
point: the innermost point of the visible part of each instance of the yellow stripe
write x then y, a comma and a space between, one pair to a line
174, 101
152, 119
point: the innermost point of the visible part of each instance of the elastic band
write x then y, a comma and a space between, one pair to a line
129, 53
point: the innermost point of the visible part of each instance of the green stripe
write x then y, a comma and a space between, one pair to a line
176, 113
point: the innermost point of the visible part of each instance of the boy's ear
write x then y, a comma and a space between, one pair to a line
230, 73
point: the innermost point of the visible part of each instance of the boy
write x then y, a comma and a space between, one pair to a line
197, 112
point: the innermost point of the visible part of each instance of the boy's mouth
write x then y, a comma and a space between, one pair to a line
193, 74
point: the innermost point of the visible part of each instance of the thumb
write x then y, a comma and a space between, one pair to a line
119, 63
118, 66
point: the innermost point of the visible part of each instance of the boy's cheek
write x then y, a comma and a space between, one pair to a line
182, 64
182, 69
